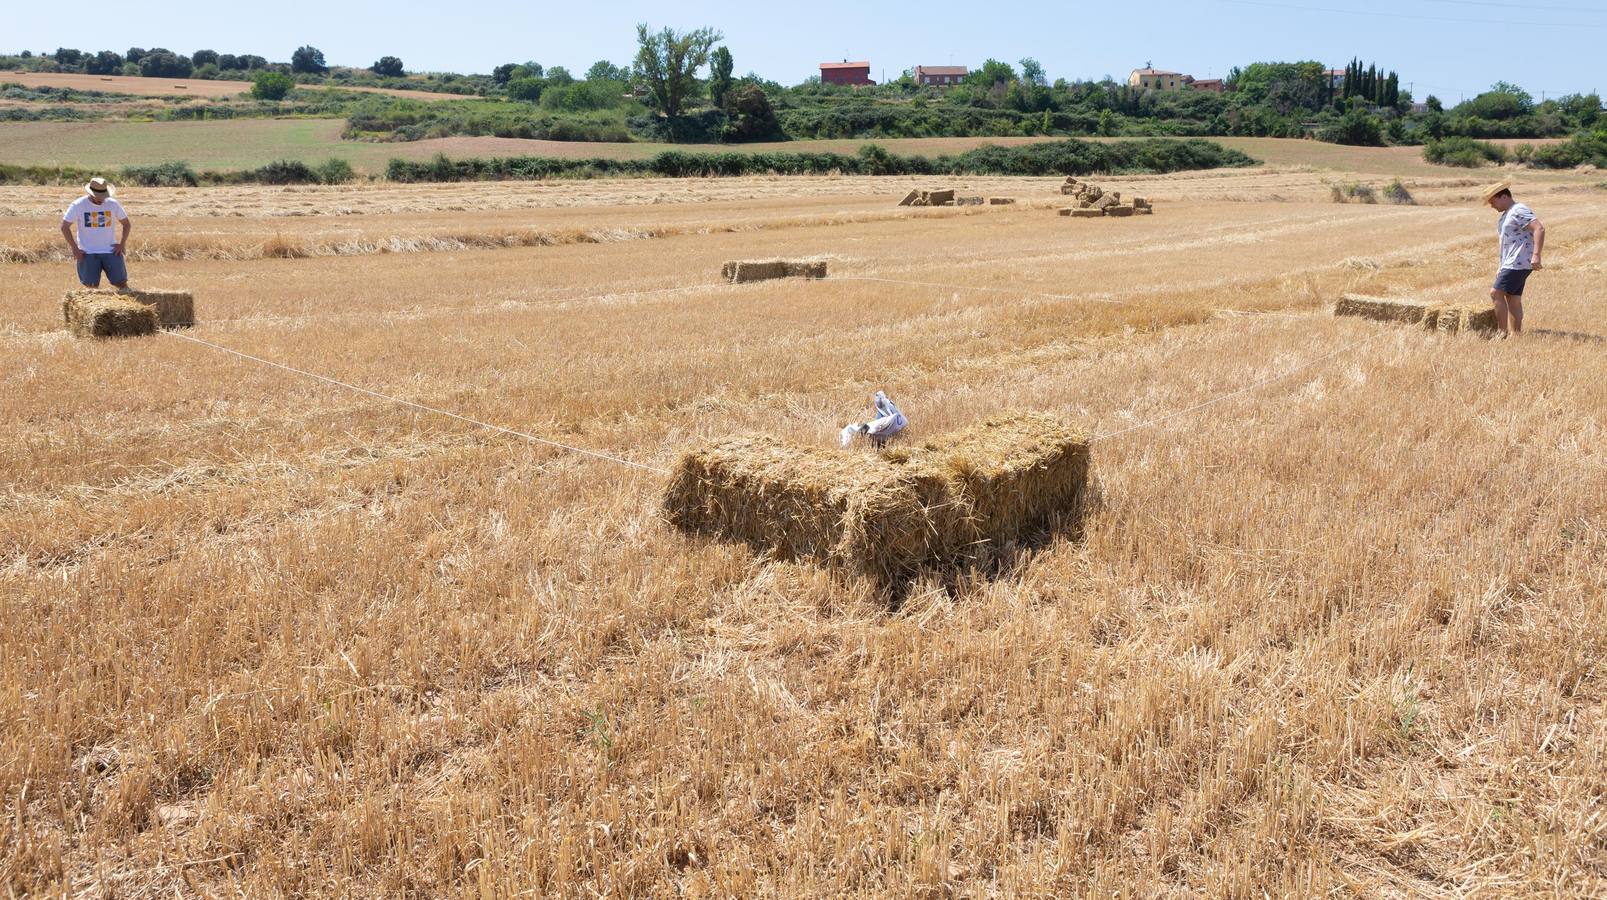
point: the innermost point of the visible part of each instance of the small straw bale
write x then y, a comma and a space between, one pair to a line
1387, 309
939, 198
1143, 210
1119, 210
1066, 210
107, 314
1001, 201
744, 271
1105, 201
1087, 214
910, 198
842, 510
968, 201
1141, 203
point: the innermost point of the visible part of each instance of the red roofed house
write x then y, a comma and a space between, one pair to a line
845, 72
940, 76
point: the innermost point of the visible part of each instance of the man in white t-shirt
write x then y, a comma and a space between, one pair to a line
1522, 238
95, 250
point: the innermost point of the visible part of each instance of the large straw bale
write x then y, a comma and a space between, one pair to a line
743, 271
948, 504
1001, 201
174, 309
940, 198
1087, 214
1141, 203
848, 511
107, 314
1387, 309
1068, 189
1106, 201
1119, 210
1066, 210
910, 198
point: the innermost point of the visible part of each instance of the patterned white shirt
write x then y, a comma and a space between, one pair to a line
1517, 241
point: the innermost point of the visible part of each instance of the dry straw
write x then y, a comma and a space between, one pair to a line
743, 271
946, 505
107, 314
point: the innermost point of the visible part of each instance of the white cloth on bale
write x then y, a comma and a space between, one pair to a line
888, 422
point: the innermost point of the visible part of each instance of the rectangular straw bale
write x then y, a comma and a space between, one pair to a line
910, 198
174, 309
845, 510
1088, 214
1141, 203
1066, 210
743, 271
940, 198
1119, 209
1015, 474
106, 314
1387, 309
1001, 201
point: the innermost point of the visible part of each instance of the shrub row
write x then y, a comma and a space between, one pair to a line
179, 174
1070, 157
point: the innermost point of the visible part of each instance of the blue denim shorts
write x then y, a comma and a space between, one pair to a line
1510, 281
90, 267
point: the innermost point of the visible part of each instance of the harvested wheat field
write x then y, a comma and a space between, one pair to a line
1329, 622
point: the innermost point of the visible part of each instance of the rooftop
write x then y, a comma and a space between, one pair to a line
942, 70
845, 65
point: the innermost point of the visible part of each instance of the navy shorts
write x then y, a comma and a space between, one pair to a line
90, 267
1510, 281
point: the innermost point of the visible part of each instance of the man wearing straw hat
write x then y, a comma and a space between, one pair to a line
1522, 238
94, 250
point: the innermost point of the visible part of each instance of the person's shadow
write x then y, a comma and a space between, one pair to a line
1581, 336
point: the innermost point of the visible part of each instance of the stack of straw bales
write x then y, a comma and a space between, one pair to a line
945, 505
928, 198
1095, 202
172, 309
107, 314
1445, 317
743, 271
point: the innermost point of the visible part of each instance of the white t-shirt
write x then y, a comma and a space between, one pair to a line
1517, 241
97, 230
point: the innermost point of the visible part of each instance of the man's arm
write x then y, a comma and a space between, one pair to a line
127, 226
67, 232
1539, 232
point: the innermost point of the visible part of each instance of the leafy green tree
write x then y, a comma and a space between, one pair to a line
527, 89
991, 73
668, 62
388, 66
161, 63
1032, 72
205, 58
559, 75
134, 54
271, 85
68, 58
751, 117
308, 60
503, 74
720, 66
106, 62
603, 70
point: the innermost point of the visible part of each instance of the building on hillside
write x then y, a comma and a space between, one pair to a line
1336, 78
1157, 80
845, 72
1214, 85
940, 76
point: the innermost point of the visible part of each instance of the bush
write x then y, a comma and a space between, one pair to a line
1463, 152
388, 67
1355, 128
1398, 194
527, 89
283, 171
1583, 149
165, 64
271, 85
168, 174
1355, 191
335, 171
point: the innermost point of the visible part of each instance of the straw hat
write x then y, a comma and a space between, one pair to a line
1492, 190
99, 187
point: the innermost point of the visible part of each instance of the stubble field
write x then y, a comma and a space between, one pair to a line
1331, 623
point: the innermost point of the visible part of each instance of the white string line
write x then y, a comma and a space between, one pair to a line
419, 406
538, 302
962, 287
1241, 391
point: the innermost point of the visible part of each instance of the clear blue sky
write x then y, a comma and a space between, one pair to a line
1446, 47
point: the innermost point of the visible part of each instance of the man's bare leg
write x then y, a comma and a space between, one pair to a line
1502, 321
1515, 312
